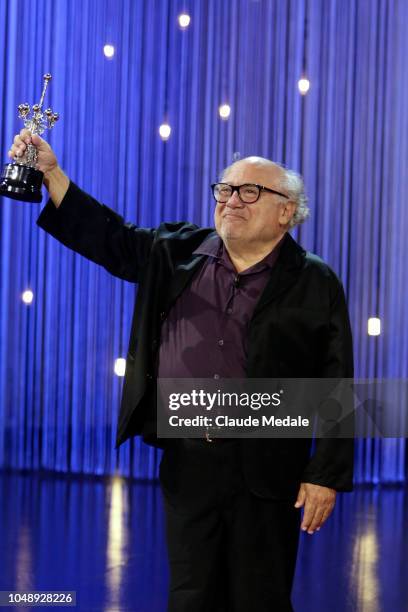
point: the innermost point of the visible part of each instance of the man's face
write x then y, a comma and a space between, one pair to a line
262, 222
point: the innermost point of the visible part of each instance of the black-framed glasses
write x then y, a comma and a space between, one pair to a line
247, 193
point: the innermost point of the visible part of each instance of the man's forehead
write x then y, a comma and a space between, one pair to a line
244, 171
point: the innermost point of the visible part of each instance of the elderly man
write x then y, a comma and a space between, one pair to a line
242, 301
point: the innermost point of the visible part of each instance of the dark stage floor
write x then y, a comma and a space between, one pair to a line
105, 540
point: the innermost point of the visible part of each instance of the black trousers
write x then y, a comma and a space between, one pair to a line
229, 550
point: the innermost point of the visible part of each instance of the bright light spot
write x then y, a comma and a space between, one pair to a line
164, 131
109, 51
365, 570
225, 111
184, 20
27, 296
120, 366
304, 86
374, 326
117, 541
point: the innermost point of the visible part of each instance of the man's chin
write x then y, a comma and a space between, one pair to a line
233, 231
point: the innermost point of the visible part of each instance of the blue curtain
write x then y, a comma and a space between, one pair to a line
59, 396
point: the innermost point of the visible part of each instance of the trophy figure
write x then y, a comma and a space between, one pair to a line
21, 180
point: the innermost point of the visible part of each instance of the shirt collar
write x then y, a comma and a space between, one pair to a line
213, 246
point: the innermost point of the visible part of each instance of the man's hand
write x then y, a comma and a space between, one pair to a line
46, 156
318, 503
55, 180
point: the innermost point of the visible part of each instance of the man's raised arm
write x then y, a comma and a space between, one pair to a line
81, 223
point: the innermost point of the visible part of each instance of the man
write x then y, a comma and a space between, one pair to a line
243, 301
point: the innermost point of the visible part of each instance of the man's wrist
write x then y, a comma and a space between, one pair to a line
57, 183
52, 175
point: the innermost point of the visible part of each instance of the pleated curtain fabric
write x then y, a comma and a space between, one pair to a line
59, 396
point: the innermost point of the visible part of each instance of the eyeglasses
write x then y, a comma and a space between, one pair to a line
248, 193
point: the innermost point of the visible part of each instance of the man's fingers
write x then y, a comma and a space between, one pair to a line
327, 512
315, 515
308, 514
25, 135
318, 505
19, 144
23, 139
316, 520
17, 150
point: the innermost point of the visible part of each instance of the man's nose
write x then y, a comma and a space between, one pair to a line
234, 201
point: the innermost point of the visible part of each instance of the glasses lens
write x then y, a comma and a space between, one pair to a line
249, 193
222, 192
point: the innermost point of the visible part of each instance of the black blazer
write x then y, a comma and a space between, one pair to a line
300, 328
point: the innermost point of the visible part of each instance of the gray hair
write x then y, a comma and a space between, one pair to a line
291, 183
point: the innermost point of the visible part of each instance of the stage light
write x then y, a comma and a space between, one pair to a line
109, 51
304, 86
224, 111
27, 296
374, 326
184, 20
120, 366
164, 131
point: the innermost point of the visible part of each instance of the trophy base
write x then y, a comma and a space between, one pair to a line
21, 182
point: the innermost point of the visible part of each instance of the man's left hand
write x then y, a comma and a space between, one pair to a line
318, 503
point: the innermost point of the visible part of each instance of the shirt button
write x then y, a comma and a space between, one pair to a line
220, 342
216, 376
229, 310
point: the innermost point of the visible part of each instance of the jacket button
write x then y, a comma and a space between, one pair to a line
162, 316
149, 376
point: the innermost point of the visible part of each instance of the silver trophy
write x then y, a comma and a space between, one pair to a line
21, 180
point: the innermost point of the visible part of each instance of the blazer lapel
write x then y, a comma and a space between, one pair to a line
182, 275
284, 273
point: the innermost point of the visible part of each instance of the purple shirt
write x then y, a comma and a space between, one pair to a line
204, 335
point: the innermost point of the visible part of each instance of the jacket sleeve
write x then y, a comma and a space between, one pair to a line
98, 233
332, 463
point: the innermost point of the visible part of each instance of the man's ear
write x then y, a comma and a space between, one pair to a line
287, 212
